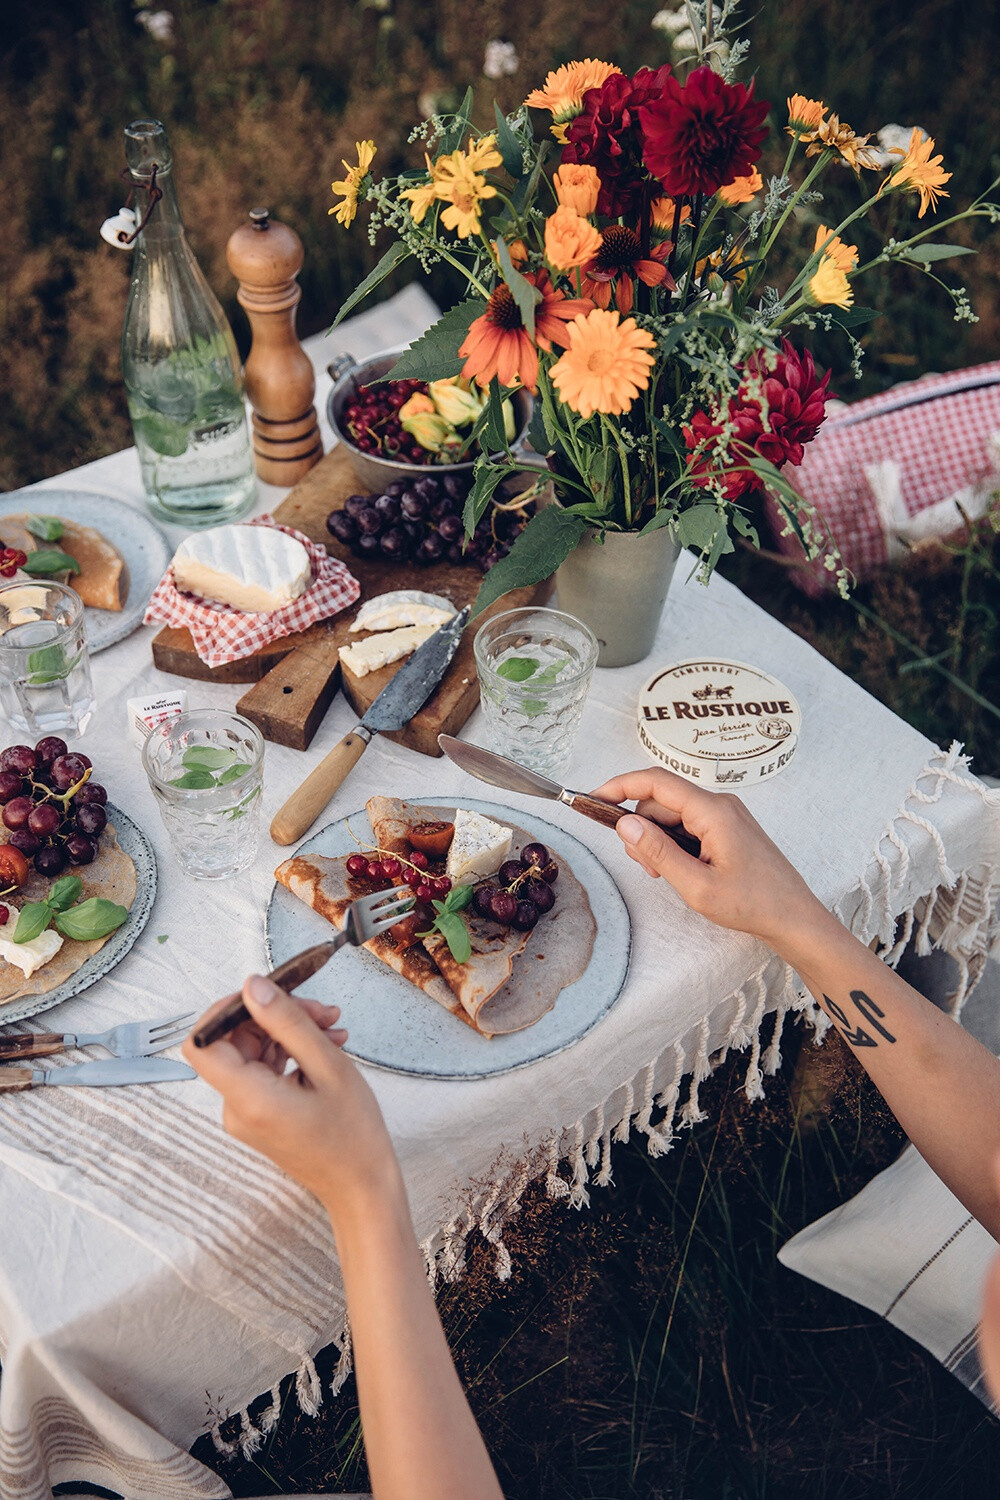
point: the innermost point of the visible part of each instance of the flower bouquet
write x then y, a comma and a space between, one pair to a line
614, 234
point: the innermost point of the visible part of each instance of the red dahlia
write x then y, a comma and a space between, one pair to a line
703, 136
729, 466
795, 400
607, 135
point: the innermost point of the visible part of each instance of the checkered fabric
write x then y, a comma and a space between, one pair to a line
222, 634
878, 463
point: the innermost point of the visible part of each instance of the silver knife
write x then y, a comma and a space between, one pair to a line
394, 707
105, 1074
497, 770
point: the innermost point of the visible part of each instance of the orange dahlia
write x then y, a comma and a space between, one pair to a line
570, 240
577, 186
564, 88
499, 344
606, 363
620, 260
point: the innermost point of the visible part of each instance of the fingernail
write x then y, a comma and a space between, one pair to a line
630, 829
262, 990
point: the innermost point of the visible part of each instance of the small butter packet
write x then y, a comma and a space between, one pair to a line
147, 714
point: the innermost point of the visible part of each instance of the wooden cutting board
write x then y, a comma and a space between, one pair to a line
294, 679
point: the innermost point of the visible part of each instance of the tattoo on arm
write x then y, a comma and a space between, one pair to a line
856, 1036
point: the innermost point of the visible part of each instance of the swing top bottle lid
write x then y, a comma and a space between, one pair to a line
720, 723
146, 145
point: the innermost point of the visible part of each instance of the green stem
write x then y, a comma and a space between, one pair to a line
623, 458
934, 666
472, 279
821, 162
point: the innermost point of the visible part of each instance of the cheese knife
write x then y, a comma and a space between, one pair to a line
401, 698
104, 1074
497, 770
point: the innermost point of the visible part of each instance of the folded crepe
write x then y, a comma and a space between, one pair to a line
492, 992
102, 582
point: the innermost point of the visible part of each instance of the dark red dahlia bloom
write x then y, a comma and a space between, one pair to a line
607, 136
703, 136
795, 400
729, 468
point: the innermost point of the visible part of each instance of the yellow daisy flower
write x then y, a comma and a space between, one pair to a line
348, 187
921, 172
605, 365
829, 286
421, 198
804, 115
832, 135
844, 257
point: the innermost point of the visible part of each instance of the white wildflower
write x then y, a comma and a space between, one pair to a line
894, 142
159, 24
670, 21
501, 59
119, 227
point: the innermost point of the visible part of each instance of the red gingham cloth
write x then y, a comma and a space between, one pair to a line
222, 634
936, 429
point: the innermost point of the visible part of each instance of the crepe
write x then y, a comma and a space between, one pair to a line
102, 582
112, 875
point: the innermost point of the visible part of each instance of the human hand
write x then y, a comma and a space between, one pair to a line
321, 1123
742, 880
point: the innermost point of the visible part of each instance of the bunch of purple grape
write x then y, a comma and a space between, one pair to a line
54, 812
421, 521
524, 892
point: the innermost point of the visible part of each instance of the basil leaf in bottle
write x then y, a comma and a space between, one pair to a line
34, 918
94, 918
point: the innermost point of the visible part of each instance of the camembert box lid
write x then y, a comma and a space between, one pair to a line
720, 723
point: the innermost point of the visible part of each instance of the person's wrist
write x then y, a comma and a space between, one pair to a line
798, 925
355, 1202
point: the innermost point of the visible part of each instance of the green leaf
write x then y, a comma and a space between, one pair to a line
851, 317
546, 541
508, 145
527, 188
538, 435
162, 937
517, 668
935, 252
194, 781
49, 560
393, 257
435, 356
532, 707
525, 293
207, 758
67, 889
33, 918
494, 433
549, 674
456, 935
659, 519
92, 919
48, 664
459, 897
162, 434
698, 526
452, 138
233, 774
48, 528
487, 477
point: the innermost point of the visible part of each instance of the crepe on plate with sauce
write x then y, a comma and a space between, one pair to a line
102, 582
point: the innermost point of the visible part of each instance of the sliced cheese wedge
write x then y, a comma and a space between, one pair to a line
250, 568
478, 848
27, 956
402, 607
362, 657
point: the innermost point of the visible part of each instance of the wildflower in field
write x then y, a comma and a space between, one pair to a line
570, 239
459, 182
804, 115
501, 59
577, 187
607, 135
605, 365
921, 172
350, 185
742, 190
499, 344
620, 260
564, 88
844, 257
701, 136
832, 134
828, 286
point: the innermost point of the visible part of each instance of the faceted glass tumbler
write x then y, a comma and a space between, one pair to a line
45, 683
534, 668
206, 772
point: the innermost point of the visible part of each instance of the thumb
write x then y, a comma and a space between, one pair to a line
289, 1023
647, 843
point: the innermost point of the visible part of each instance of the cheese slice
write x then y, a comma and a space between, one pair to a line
402, 607
251, 568
362, 657
479, 847
27, 956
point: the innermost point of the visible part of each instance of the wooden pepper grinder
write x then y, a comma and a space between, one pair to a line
265, 257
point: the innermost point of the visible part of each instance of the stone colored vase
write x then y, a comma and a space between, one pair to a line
618, 587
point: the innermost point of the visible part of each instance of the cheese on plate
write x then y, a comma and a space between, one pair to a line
251, 568
27, 956
402, 607
479, 847
362, 657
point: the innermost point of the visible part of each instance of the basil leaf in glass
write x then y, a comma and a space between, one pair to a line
517, 668
233, 774
207, 758
34, 917
91, 919
48, 664
194, 781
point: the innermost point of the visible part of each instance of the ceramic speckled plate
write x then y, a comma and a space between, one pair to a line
394, 1025
135, 844
142, 544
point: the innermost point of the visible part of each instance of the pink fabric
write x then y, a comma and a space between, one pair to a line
222, 634
937, 429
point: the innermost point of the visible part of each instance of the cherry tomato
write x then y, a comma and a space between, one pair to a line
13, 866
431, 838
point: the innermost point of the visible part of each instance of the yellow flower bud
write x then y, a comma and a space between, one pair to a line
431, 431
457, 406
417, 403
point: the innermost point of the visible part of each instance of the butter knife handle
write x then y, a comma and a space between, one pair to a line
13, 1080
609, 814
308, 801
31, 1044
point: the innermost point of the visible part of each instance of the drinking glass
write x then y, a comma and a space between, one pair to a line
206, 771
534, 667
45, 684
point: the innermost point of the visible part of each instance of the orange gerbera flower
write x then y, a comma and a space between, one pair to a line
564, 88
804, 115
844, 257
499, 344
743, 189
663, 209
577, 186
921, 172
606, 363
620, 260
570, 240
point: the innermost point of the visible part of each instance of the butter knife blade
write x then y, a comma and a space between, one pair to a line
109, 1072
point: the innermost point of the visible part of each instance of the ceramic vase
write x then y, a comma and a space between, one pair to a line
618, 587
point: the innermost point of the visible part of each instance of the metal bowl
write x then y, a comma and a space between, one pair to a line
375, 472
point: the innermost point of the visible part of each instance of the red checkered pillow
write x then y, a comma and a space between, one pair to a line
888, 470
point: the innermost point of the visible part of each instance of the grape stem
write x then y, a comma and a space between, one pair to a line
50, 795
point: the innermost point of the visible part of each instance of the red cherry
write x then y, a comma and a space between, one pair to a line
391, 868
374, 870
357, 864
419, 858
424, 891
442, 885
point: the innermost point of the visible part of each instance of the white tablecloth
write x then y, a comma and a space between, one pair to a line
155, 1276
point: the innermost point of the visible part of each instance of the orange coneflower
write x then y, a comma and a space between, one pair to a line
833, 135
570, 240
606, 363
620, 260
844, 257
743, 189
499, 344
804, 115
921, 172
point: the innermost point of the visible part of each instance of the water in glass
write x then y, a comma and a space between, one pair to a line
206, 773
45, 682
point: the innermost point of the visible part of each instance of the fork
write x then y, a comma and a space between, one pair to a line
135, 1039
366, 918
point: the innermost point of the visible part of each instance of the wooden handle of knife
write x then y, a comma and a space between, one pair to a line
13, 1080
609, 814
30, 1044
308, 801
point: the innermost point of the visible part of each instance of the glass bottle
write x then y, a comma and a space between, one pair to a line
181, 368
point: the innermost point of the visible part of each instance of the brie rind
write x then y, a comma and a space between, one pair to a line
362, 657
251, 568
28, 956
478, 848
402, 607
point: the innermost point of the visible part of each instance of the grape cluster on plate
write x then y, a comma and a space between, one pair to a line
522, 891
413, 872
371, 422
54, 812
421, 521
